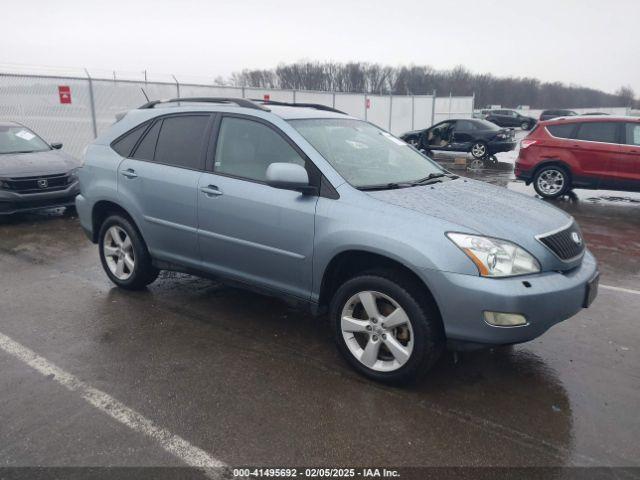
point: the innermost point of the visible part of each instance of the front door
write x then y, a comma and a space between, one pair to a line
248, 230
627, 164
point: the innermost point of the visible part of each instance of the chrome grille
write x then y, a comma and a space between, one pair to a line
34, 184
563, 243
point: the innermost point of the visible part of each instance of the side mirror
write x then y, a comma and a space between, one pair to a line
56, 146
289, 176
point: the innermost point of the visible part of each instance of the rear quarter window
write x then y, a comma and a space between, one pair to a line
124, 145
564, 130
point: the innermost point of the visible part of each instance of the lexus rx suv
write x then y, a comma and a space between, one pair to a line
335, 215
34, 174
593, 152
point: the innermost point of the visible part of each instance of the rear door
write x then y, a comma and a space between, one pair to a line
464, 134
627, 165
596, 149
160, 183
248, 230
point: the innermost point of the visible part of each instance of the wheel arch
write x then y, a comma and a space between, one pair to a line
552, 162
349, 263
103, 209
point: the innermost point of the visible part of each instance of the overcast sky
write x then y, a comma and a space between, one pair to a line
595, 43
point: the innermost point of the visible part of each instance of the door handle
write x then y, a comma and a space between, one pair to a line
211, 191
129, 173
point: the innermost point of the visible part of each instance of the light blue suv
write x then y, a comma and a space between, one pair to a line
338, 216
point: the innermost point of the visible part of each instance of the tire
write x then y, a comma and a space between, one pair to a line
119, 236
419, 334
479, 150
552, 181
525, 126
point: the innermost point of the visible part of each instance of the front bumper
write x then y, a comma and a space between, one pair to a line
505, 146
551, 297
13, 202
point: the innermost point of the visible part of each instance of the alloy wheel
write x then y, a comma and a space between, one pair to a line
377, 331
478, 150
551, 182
118, 252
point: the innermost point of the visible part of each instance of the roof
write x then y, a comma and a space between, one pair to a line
286, 111
590, 118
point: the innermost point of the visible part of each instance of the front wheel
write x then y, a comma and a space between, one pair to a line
124, 255
552, 181
525, 126
385, 328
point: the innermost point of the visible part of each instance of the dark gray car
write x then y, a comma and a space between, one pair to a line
33, 173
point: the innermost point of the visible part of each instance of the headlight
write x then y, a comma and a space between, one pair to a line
495, 258
73, 175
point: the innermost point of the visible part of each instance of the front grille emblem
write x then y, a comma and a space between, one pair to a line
576, 238
43, 183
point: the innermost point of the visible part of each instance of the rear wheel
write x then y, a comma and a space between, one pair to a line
124, 254
552, 181
385, 328
479, 150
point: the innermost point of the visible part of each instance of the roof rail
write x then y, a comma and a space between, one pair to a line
241, 102
317, 106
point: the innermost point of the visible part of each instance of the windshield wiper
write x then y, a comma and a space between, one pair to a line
434, 177
387, 186
19, 151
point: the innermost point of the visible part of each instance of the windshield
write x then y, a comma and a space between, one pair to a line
363, 154
18, 139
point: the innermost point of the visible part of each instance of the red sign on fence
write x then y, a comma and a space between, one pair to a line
267, 97
367, 103
64, 91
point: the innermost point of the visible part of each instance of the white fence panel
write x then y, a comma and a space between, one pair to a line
401, 115
116, 97
379, 110
422, 112
315, 97
350, 103
34, 101
209, 91
275, 95
453, 107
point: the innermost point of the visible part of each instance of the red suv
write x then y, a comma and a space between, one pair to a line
581, 152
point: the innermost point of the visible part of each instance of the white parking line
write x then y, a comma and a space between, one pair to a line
174, 444
620, 289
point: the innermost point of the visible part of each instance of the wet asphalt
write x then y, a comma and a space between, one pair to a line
254, 382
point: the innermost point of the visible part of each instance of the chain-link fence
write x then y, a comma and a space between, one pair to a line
73, 110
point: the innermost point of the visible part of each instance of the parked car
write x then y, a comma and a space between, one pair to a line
34, 174
510, 118
338, 216
581, 152
550, 114
478, 137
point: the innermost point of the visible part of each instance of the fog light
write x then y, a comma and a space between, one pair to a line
500, 319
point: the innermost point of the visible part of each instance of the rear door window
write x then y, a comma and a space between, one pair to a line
181, 141
632, 131
606, 132
565, 130
465, 125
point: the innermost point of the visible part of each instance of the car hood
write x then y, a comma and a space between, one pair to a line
482, 208
38, 163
